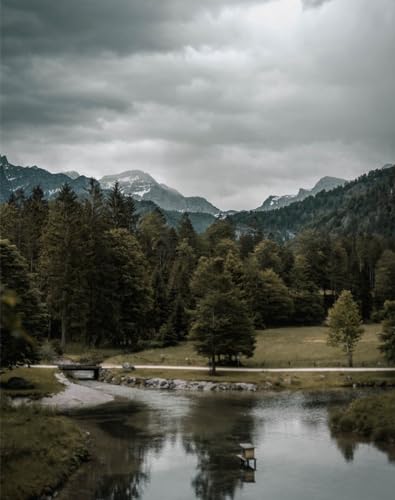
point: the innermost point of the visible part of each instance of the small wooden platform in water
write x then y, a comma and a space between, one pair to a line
247, 456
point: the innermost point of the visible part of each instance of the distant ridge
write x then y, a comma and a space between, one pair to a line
363, 206
324, 184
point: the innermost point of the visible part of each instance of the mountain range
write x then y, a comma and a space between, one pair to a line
141, 186
332, 203
365, 205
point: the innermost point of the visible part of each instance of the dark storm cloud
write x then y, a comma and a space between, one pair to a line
91, 26
233, 100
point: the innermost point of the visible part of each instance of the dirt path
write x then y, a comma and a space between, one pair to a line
246, 370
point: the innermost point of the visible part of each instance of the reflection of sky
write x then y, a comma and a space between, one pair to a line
170, 470
296, 456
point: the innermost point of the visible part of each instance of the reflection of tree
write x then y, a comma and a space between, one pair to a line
387, 448
213, 431
347, 444
119, 470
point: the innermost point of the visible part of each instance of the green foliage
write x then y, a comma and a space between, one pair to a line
220, 230
210, 275
121, 209
62, 265
267, 255
267, 296
15, 345
16, 278
372, 417
186, 232
363, 206
222, 327
388, 334
385, 277
344, 323
308, 307
109, 279
130, 288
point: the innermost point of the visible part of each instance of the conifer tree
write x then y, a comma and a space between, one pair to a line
35, 214
385, 277
62, 265
388, 334
121, 209
131, 293
97, 266
187, 232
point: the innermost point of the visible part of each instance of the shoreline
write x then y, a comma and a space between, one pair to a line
251, 382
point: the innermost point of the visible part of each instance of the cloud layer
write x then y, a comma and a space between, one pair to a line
232, 100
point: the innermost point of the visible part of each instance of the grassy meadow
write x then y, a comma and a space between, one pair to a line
275, 348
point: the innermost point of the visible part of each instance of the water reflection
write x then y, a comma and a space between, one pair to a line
159, 445
212, 431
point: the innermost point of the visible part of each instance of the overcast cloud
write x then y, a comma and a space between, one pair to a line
231, 100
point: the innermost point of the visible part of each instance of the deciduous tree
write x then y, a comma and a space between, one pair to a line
344, 322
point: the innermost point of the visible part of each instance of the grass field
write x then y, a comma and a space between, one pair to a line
81, 354
39, 449
275, 348
44, 382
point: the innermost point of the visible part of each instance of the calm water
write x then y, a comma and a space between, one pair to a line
161, 445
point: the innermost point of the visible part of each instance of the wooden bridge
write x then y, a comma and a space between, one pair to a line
72, 368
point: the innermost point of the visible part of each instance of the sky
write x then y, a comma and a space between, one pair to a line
233, 100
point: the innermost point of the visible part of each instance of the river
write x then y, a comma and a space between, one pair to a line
158, 445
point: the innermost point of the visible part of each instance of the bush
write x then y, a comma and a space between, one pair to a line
46, 351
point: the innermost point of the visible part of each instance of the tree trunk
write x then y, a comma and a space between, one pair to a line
213, 366
349, 356
63, 321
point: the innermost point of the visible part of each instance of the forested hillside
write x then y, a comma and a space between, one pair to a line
92, 270
363, 206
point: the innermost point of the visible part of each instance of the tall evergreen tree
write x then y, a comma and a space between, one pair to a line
97, 266
35, 214
187, 232
387, 336
131, 293
121, 209
267, 296
385, 277
62, 268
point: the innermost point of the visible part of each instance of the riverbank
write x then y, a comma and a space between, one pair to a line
39, 451
372, 418
168, 379
41, 448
